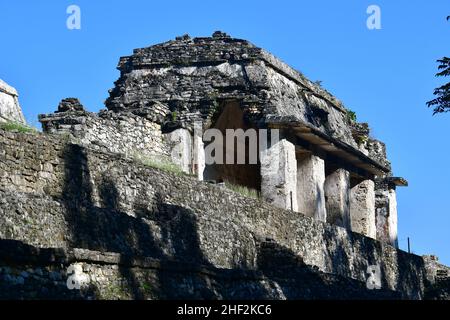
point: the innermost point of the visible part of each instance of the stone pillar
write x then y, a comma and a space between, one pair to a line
337, 198
362, 209
310, 187
198, 160
386, 214
279, 175
392, 219
181, 141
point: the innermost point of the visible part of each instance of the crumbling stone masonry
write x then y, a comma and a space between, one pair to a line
439, 277
57, 194
9, 104
87, 192
129, 133
225, 83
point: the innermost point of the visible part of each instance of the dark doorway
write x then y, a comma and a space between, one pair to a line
247, 175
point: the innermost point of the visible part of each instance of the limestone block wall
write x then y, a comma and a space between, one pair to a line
125, 133
435, 270
27, 272
9, 104
31, 163
109, 203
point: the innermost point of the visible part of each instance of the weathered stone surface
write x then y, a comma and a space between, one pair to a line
393, 219
182, 151
278, 175
310, 187
199, 157
386, 212
125, 207
9, 104
439, 279
133, 134
219, 82
337, 198
362, 209
436, 271
377, 151
95, 188
27, 272
70, 104
192, 74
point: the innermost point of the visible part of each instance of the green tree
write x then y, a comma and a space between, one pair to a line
442, 101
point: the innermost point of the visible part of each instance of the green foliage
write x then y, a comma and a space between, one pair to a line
159, 163
17, 127
351, 116
174, 116
146, 287
246, 192
441, 103
362, 139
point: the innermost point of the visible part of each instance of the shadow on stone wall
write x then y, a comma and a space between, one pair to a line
25, 273
409, 276
299, 281
168, 232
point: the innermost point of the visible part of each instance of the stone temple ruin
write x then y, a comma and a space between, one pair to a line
330, 168
9, 104
327, 209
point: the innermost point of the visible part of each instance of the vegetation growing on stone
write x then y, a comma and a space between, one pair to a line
351, 116
17, 127
246, 192
158, 163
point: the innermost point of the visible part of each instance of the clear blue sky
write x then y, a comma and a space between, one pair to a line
385, 76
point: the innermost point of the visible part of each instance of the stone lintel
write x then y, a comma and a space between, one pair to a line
314, 139
396, 182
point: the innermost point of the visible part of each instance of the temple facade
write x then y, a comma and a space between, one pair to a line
324, 164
